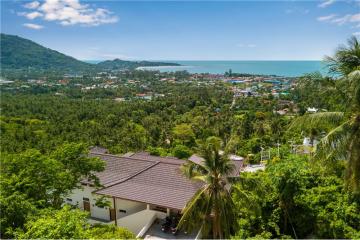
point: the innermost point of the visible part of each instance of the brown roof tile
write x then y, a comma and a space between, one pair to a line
119, 168
162, 184
150, 179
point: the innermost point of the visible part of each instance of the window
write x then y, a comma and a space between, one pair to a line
122, 211
84, 184
69, 199
86, 199
160, 209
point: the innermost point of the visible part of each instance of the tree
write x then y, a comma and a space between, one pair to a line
40, 181
68, 223
111, 231
211, 208
182, 152
346, 58
60, 224
342, 142
184, 133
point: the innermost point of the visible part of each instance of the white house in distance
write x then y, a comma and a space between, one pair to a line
140, 187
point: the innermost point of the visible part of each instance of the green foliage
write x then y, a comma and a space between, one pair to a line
296, 200
31, 181
68, 223
109, 232
184, 133
211, 208
182, 152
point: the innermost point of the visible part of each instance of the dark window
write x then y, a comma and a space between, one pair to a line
160, 209
84, 184
122, 211
86, 199
69, 199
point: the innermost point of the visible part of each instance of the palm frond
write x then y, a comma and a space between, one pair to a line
193, 211
315, 120
334, 144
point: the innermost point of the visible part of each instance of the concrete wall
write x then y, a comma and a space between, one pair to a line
139, 222
77, 199
129, 207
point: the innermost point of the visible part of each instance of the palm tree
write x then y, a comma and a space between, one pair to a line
346, 58
343, 141
211, 208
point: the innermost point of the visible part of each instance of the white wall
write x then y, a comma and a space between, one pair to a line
77, 199
129, 206
103, 213
138, 221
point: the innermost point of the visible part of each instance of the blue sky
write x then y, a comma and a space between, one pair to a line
185, 30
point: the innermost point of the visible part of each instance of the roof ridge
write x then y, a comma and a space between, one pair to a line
160, 161
116, 156
125, 179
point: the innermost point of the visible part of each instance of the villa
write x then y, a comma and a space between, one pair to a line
140, 188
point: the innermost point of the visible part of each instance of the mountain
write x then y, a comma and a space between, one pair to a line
18, 53
21, 53
122, 64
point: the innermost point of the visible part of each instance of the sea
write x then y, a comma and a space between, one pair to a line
278, 68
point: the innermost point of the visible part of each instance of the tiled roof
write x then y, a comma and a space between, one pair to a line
149, 179
119, 168
163, 184
147, 156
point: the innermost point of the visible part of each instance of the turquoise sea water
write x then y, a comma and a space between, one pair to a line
280, 68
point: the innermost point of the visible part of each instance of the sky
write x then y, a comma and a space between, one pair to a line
185, 30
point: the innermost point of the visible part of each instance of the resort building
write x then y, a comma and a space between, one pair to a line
139, 189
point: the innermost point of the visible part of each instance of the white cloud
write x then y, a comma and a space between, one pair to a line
326, 3
352, 19
326, 18
297, 10
356, 34
245, 45
70, 12
33, 26
32, 5
33, 15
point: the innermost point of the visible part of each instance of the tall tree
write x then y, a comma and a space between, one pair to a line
211, 208
343, 141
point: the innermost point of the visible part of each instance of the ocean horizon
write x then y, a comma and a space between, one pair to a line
288, 68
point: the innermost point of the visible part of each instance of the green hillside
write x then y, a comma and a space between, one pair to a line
21, 53
18, 53
122, 64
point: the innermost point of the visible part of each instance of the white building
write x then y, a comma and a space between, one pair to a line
312, 110
139, 187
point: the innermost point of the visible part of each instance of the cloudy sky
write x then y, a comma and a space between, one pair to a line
185, 30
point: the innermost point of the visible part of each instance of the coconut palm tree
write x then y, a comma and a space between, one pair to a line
211, 208
343, 141
346, 58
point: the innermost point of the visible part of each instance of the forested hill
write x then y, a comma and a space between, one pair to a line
20, 53
122, 64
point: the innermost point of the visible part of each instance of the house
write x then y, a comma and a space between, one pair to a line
139, 187
312, 110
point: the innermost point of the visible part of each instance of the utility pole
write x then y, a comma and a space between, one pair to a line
278, 148
114, 202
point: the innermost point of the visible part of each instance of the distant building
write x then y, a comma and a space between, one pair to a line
311, 110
